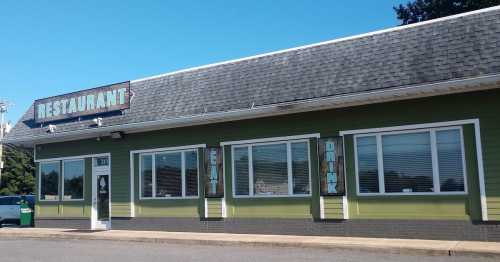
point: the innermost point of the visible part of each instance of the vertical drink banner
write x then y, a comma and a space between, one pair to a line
331, 166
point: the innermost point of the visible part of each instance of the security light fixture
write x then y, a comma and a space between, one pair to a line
52, 128
98, 121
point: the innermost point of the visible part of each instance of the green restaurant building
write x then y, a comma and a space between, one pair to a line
394, 133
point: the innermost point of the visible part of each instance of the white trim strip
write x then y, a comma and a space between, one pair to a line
206, 207
270, 139
162, 149
321, 207
345, 207
224, 209
72, 157
343, 39
132, 185
408, 127
480, 167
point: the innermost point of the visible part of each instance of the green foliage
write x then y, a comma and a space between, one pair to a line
18, 175
422, 10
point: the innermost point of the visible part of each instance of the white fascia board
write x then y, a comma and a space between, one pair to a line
270, 139
307, 105
408, 127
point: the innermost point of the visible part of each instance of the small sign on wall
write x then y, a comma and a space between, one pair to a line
82, 103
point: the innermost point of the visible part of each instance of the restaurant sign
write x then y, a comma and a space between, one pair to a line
82, 103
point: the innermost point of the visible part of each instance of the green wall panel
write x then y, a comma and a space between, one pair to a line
333, 207
482, 105
214, 206
167, 208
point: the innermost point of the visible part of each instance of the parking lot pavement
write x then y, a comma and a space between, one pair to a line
14, 250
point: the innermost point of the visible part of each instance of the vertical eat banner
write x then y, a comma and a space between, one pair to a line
214, 177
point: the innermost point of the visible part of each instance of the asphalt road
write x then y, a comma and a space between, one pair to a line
15, 250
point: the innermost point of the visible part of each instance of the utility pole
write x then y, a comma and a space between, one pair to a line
3, 109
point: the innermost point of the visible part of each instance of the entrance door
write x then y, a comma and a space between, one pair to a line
101, 204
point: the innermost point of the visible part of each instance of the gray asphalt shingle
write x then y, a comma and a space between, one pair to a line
462, 47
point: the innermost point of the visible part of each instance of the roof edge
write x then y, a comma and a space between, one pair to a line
342, 39
348, 100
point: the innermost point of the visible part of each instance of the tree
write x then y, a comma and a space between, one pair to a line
18, 175
422, 10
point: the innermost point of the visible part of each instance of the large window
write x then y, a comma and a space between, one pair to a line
411, 162
271, 169
171, 174
49, 180
73, 176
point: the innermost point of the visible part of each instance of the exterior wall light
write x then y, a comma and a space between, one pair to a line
98, 121
52, 128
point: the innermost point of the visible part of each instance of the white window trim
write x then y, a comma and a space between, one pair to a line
153, 154
62, 180
435, 166
58, 198
289, 169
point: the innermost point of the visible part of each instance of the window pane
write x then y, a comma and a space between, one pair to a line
300, 168
191, 173
367, 164
73, 179
147, 175
450, 162
407, 163
241, 171
270, 169
168, 175
49, 183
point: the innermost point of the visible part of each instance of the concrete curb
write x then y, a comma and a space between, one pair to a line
393, 246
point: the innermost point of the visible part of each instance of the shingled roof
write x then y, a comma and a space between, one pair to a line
459, 47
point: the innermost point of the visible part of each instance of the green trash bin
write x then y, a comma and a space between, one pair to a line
26, 217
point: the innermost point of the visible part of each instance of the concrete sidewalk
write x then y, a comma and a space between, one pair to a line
428, 247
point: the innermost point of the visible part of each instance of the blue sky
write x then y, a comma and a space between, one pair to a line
54, 47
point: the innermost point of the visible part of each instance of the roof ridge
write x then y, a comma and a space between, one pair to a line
337, 40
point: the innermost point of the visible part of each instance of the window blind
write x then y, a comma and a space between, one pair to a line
270, 169
367, 164
300, 168
241, 171
407, 163
168, 175
191, 173
450, 161
147, 175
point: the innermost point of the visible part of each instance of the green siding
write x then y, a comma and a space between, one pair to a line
333, 207
482, 105
214, 206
